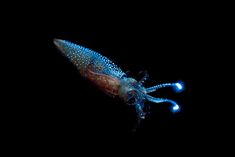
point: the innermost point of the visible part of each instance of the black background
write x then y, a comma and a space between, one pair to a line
54, 106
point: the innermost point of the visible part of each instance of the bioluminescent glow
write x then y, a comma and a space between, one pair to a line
161, 100
176, 108
112, 80
179, 86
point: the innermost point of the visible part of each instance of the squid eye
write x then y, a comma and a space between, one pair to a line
131, 101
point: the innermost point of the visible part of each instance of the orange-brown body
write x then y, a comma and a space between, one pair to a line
109, 78
108, 84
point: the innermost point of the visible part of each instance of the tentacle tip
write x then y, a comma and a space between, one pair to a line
176, 108
142, 117
179, 86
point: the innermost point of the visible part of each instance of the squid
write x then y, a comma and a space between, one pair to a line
110, 79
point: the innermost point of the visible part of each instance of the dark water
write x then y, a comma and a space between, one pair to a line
55, 106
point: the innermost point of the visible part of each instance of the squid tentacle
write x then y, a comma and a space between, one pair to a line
178, 86
112, 80
161, 100
139, 111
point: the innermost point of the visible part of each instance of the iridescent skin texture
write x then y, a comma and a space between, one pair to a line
111, 79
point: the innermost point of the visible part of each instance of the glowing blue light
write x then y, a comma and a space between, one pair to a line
176, 108
179, 86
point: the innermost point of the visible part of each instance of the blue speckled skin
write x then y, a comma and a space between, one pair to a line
82, 58
111, 79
